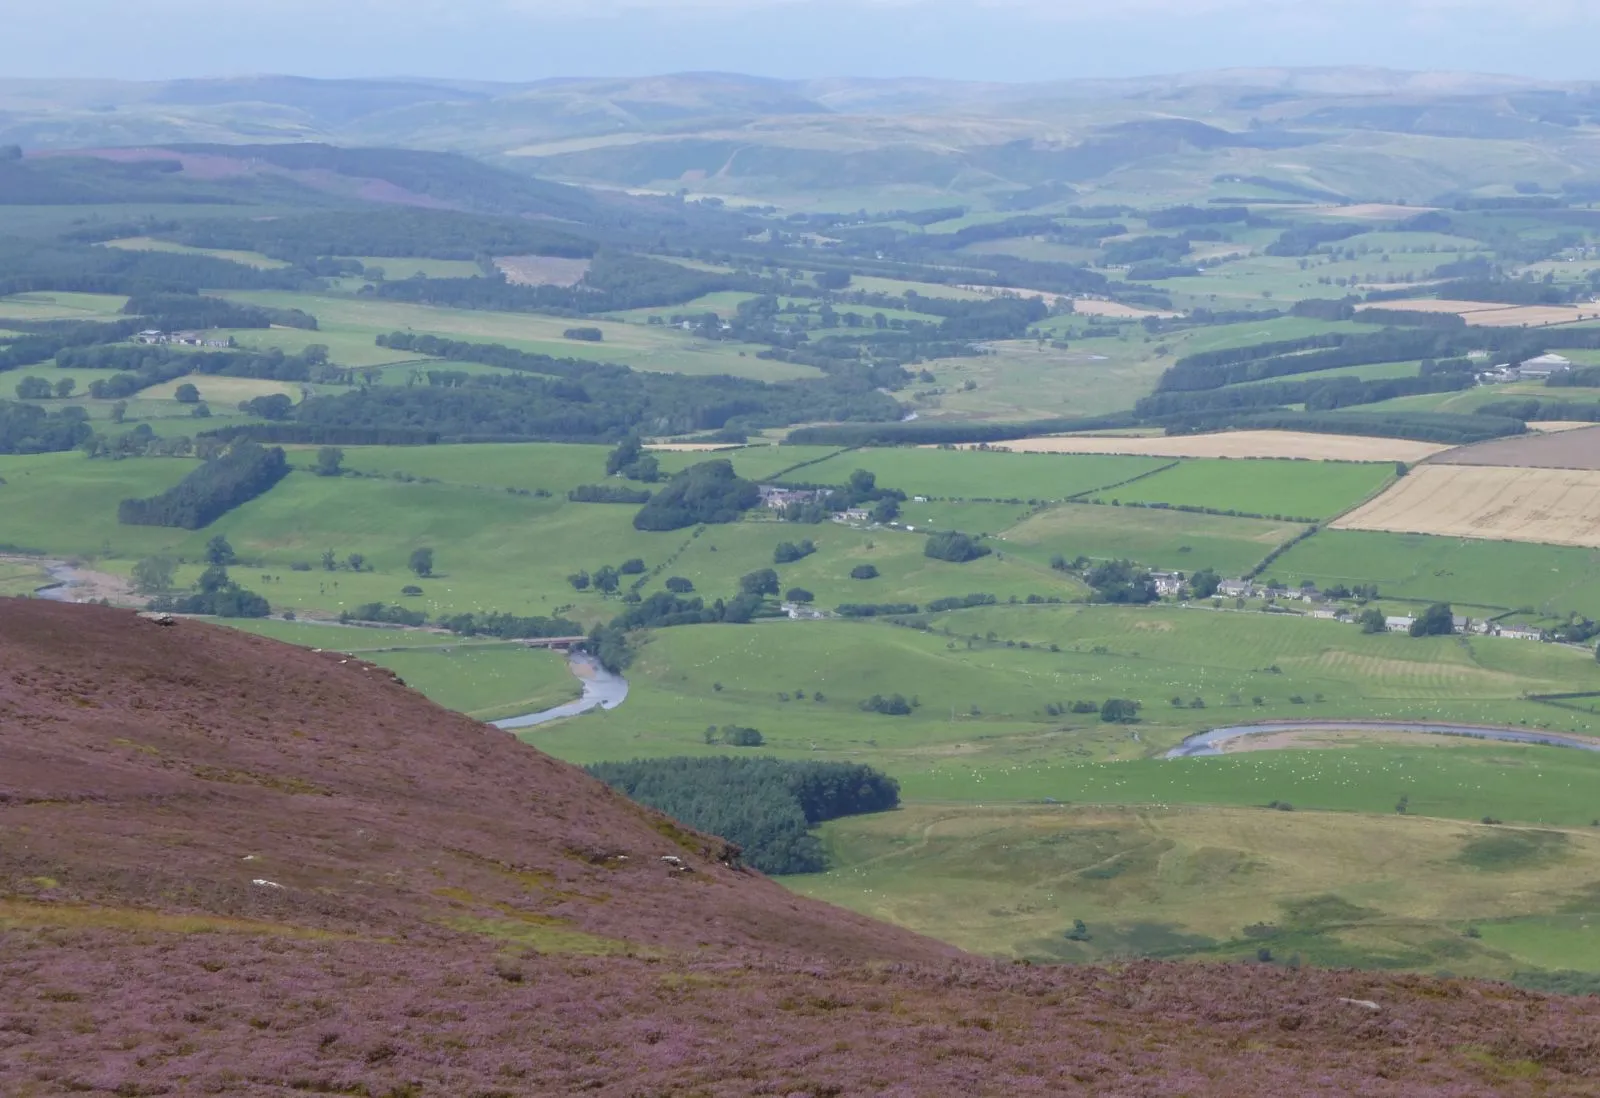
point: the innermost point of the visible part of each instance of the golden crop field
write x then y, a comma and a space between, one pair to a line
1551, 506
1234, 444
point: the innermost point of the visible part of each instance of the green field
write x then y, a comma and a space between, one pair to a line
983, 731
1331, 889
150, 244
61, 305
1299, 489
974, 474
657, 349
396, 268
1156, 538
1548, 579
486, 680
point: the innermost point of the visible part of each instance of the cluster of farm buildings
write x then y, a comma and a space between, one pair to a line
1534, 369
184, 339
1323, 607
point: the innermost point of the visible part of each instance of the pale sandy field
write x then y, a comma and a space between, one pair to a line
1374, 211
1235, 444
541, 270
1497, 503
1488, 314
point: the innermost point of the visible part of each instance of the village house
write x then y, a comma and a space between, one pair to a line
854, 514
1329, 613
1236, 589
1399, 625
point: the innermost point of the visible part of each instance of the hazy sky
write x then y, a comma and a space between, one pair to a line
970, 39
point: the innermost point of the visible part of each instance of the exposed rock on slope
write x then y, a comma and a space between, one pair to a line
229, 866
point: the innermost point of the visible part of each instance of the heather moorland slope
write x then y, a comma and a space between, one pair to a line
230, 866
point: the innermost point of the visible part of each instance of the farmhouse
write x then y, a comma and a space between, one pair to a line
854, 514
779, 498
1519, 632
1236, 589
1399, 625
1167, 583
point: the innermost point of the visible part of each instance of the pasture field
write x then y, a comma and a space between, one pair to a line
21, 577
1502, 575
1156, 538
973, 518
150, 244
1021, 380
1552, 506
971, 474
983, 731
61, 305
67, 504
760, 463
223, 392
1235, 444
398, 268
486, 680
1222, 883
1300, 489
644, 348
555, 467
350, 348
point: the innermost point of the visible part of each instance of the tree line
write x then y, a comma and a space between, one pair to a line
238, 475
766, 806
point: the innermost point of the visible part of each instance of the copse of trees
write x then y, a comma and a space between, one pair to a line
1121, 581
953, 546
239, 474
787, 552
1436, 621
710, 492
765, 806
29, 429
630, 460
215, 594
176, 311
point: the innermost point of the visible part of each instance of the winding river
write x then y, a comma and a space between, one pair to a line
1210, 743
602, 689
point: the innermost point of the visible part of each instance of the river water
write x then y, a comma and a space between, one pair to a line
1209, 743
601, 690
60, 588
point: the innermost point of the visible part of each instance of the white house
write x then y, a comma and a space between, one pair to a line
1236, 589
1399, 625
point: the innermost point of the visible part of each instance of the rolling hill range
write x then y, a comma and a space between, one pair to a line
1360, 133
230, 866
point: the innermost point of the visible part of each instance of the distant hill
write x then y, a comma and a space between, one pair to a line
231, 866
764, 139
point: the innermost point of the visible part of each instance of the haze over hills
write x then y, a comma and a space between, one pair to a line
230, 866
1363, 132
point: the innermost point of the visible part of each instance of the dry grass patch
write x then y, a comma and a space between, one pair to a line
1235, 444
1551, 506
542, 270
